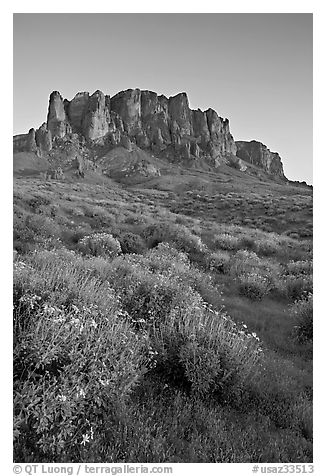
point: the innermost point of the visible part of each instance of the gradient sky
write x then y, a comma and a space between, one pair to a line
254, 69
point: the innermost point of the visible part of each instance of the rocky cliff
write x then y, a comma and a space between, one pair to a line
167, 127
259, 155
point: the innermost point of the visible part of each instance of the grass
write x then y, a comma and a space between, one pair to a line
133, 320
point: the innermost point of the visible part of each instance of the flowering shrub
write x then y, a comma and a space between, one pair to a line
156, 282
33, 230
43, 226
100, 244
204, 351
74, 368
254, 286
302, 312
225, 241
243, 262
299, 267
267, 246
297, 285
177, 235
61, 277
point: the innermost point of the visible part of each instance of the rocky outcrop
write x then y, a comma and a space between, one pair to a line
57, 122
200, 126
145, 119
126, 143
77, 109
43, 138
38, 141
180, 116
95, 123
165, 126
127, 104
155, 116
259, 155
25, 142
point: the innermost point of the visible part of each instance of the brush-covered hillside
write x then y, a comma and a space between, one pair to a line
162, 302
138, 311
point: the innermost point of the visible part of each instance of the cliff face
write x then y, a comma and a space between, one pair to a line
165, 126
35, 141
57, 121
258, 154
25, 142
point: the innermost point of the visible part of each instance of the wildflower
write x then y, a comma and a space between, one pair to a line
81, 393
62, 398
85, 439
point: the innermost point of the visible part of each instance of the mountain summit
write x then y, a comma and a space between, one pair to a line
136, 119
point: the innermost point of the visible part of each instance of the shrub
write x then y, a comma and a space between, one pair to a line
100, 244
202, 351
218, 262
267, 247
177, 235
61, 277
153, 284
299, 267
24, 238
297, 286
254, 286
73, 373
35, 228
244, 262
76, 359
71, 237
131, 243
225, 241
38, 202
302, 311
43, 226
247, 242
34, 231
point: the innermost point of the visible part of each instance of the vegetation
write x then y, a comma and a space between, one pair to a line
149, 334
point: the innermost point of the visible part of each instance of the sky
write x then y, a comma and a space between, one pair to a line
254, 69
